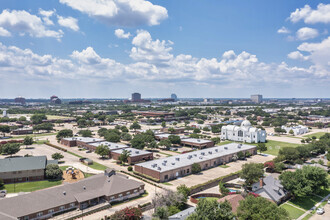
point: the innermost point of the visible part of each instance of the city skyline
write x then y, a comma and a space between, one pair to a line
111, 49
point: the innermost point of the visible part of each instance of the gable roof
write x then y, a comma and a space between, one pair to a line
23, 163
83, 190
271, 189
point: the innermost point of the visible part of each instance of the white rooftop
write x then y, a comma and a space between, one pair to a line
187, 159
84, 139
133, 151
110, 145
194, 140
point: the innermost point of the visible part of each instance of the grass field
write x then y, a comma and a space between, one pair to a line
273, 147
224, 166
223, 143
305, 202
33, 135
97, 166
31, 186
317, 135
56, 117
294, 213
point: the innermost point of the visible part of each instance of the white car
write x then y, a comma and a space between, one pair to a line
328, 201
320, 211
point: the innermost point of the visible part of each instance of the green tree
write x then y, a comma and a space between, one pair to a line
126, 136
196, 168
102, 150
10, 148
161, 212
85, 133
53, 171
28, 141
291, 132
174, 139
112, 137
64, 134
57, 156
82, 123
165, 143
163, 124
2, 184
184, 190
123, 157
289, 154
252, 172
211, 209
171, 130
43, 127
4, 129
102, 132
22, 118
135, 126
197, 130
260, 208
153, 144
305, 181
261, 147
38, 118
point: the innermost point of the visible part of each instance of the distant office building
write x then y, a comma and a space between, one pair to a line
4, 113
256, 98
244, 133
174, 96
20, 100
297, 130
55, 100
136, 97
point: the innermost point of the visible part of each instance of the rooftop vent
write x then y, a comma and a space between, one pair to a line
177, 158
210, 152
195, 155
64, 193
189, 156
226, 148
203, 153
159, 168
84, 187
200, 157
216, 150
137, 152
239, 146
199, 140
173, 164
154, 165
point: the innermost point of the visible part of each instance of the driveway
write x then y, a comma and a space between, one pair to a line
325, 216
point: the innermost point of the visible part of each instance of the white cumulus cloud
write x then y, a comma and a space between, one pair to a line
23, 22
120, 12
120, 33
68, 22
283, 30
46, 16
296, 55
306, 33
312, 16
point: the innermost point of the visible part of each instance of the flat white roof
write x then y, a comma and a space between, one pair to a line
84, 139
195, 141
187, 159
133, 151
110, 145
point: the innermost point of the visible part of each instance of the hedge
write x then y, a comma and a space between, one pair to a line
91, 212
146, 176
55, 146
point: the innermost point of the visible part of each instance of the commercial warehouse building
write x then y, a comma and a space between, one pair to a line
135, 155
180, 165
43, 204
79, 141
111, 145
190, 142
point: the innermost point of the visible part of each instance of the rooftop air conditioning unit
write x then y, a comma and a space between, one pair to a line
159, 168
226, 148
216, 150
173, 164
137, 152
64, 193
210, 152
178, 159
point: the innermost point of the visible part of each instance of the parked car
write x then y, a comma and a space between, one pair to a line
89, 151
320, 211
328, 201
3, 193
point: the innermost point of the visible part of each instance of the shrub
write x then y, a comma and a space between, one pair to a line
129, 168
196, 168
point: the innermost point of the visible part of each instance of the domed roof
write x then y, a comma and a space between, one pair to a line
245, 123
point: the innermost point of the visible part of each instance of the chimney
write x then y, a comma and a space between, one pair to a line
261, 183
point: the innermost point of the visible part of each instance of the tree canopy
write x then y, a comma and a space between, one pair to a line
102, 150
252, 172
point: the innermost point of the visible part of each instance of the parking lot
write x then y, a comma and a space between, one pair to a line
216, 172
326, 214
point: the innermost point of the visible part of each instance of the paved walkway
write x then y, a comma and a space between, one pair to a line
314, 207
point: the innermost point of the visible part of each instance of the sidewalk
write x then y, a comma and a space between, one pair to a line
314, 207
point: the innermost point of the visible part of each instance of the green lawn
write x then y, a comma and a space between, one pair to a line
33, 135
31, 186
209, 198
317, 135
273, 147
324, 192
97, 166
294, 213
307, 216
305, 202
223, 143
224, 166
167, 184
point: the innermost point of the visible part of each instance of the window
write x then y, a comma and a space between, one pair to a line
40, 214
112, 197
62, 208
166, 177
135, 190
240, 134
50, 211
188, 170
26, 217
72, 205
14, 172
128, 193
120, 195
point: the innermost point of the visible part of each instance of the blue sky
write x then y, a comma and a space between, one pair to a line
194, 48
